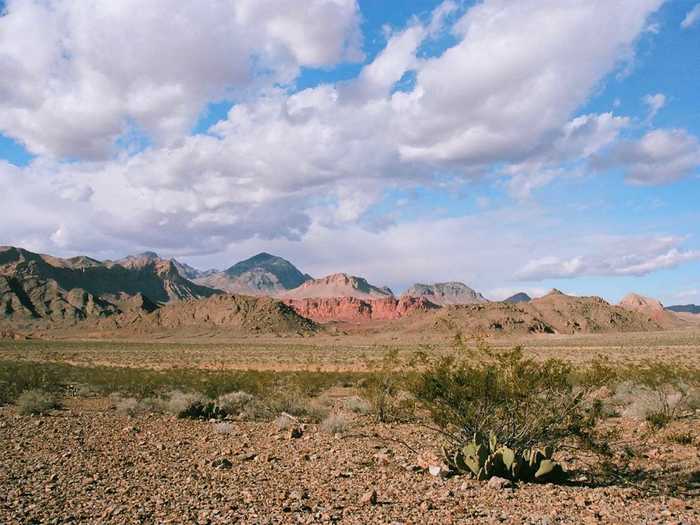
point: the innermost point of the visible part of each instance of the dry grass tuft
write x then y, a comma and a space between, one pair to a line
31, 402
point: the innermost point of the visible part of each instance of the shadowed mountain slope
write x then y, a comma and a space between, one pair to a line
35, 286
262, 274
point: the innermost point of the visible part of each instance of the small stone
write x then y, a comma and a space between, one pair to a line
499, 483
369, 498
438, 471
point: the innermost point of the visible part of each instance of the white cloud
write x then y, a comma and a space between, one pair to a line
578, 140
655, 103
283, 163
611, 256
691, 18
76, 75
659, 157
516, 76
687, 295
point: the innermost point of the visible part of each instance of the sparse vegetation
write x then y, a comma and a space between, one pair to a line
385, 389
285, 422
335, 424
128, 406
681, 438
498, 409
234, 403
36, 402
357, 405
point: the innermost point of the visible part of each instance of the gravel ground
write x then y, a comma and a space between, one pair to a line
86, 464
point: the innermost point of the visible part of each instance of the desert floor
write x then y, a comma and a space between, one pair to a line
352, 352
89, 463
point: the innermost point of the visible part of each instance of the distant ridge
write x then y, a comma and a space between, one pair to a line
445, 293
685, 308
338, 285
521, 297
262, 274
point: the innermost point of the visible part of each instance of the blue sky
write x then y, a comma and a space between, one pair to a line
510, 146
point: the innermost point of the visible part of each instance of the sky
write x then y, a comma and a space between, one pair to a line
513, 146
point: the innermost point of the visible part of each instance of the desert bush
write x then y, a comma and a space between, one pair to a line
385, 392
502, 404
234, 403
127, 406
658, 404
191, 406
296, 404
357, 405
152, 405
131, 406
32, 402
284, 422
335, 424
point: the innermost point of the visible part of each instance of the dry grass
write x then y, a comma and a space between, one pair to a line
35, 402
335, 424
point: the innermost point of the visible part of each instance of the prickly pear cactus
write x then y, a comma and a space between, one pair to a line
484, 460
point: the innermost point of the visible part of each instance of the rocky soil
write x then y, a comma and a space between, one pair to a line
87, 464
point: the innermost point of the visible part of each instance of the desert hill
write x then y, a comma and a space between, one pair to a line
230, 313
337, 285
353, 309
445, 293
652, 308
262, 274
555, 313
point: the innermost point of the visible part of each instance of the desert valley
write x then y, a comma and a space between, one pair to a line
259, 394
349, 262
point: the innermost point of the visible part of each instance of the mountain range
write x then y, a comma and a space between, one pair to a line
268, 293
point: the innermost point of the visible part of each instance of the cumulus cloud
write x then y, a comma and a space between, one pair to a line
611, 256
284, 162
691, 18
77, 76
519, 71
658, 157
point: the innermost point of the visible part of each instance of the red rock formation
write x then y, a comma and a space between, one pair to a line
352, 309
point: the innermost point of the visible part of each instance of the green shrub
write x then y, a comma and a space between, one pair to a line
504, 400
32, 402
